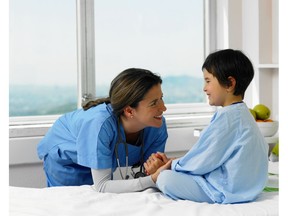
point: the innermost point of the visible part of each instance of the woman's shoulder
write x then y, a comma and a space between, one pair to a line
101, 113
94, 114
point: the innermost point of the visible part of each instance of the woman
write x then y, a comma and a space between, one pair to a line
87, 145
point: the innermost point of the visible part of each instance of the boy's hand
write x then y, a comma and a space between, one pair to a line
166, 166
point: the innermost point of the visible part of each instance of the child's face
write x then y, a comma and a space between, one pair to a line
215, 92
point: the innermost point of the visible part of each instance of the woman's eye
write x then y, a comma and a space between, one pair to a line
154, 104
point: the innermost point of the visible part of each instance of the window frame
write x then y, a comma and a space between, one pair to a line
177, 115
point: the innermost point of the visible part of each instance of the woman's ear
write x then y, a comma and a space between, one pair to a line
231, 84
128, 112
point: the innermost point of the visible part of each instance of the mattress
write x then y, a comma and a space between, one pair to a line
84, 201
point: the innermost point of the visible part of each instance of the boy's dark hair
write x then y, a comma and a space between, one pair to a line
225, 63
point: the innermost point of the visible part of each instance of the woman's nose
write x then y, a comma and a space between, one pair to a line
163, 107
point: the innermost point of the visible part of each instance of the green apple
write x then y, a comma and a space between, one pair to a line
253, 113
262, 111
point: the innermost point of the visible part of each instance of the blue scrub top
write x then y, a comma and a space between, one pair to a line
230, 159
81, 140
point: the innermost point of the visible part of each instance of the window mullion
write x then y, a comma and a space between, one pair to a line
210, 26
86, 52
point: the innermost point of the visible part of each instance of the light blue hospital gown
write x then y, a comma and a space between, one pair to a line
81, 140
228, 164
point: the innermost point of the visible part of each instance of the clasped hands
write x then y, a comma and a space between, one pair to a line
156, 163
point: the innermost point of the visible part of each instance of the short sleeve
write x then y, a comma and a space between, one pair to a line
94, 145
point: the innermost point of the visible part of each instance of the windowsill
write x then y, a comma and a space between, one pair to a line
178, 116
188, 120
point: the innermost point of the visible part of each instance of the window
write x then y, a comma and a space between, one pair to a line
43, 57
164, 36
51, 41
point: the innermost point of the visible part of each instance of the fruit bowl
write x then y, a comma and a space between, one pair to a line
268, 129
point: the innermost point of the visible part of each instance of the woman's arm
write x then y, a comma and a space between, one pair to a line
103, 183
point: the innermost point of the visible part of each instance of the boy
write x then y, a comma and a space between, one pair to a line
229, 162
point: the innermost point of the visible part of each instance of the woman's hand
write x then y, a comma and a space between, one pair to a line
166, 166
155, 161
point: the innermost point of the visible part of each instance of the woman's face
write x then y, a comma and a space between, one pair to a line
150, 110
215, 92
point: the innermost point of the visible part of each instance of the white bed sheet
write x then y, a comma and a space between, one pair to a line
84, 201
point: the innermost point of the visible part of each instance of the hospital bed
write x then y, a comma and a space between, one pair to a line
84, 201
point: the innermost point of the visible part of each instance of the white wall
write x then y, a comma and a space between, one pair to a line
25, 169
252, 26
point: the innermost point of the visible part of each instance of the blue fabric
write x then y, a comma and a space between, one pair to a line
170, 181
81, 140
230, 159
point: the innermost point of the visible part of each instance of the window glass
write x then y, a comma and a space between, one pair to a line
43, 59
164, 36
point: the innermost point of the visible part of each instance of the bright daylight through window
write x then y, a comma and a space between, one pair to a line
164, 36
43, 57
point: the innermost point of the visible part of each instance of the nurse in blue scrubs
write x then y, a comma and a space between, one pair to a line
84, 147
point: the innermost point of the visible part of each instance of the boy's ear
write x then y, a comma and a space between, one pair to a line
231, 83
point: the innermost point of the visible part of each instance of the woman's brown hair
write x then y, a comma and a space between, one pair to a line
127, 89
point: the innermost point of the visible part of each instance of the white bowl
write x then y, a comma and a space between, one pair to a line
268, 129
